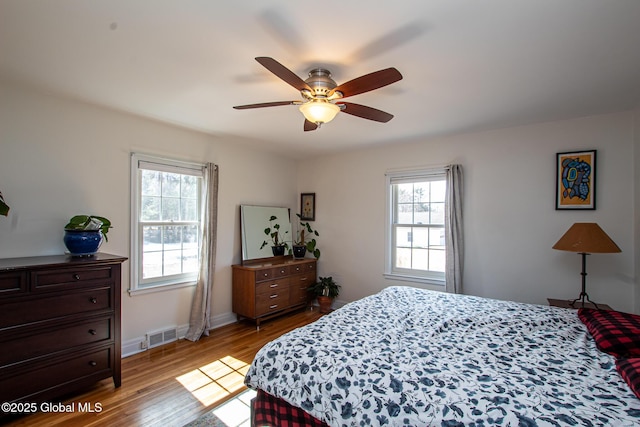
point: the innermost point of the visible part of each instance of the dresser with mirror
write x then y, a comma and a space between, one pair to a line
264, 285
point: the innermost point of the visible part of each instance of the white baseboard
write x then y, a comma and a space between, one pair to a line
131, 347
223, 319
339, 303
138, 345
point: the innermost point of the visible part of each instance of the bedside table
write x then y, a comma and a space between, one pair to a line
565, 303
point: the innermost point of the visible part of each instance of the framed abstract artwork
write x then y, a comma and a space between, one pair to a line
576, 180
308, 206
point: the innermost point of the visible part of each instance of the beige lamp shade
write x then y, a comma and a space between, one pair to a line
586, 237
319, 111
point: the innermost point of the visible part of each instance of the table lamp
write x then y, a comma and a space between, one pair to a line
586, 238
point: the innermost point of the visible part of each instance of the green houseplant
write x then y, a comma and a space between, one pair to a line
83, 234
89, 223
278, 245
303, 242
326, 290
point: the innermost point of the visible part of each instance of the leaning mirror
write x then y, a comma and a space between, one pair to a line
253, 221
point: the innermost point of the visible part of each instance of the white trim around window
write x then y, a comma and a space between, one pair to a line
392, 271
177, 263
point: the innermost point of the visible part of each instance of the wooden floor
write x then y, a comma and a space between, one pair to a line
173, 384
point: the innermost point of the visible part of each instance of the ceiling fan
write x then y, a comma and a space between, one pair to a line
321, 94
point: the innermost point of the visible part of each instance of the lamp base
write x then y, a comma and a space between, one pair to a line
582, 297
583, 294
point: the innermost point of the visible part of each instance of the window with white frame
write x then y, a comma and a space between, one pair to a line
415, 225
166, 222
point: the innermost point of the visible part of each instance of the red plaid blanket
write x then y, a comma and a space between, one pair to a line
269, 411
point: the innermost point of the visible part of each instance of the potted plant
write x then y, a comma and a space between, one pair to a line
326, 290
303, 243
84, 233
4, 208
278, 245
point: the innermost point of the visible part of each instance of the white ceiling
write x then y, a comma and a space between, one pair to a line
467, 64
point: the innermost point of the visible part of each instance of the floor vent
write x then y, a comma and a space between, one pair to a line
155, 339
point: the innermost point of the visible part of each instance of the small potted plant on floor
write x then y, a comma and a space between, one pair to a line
83, 234
305, 243
278, 245
326, 290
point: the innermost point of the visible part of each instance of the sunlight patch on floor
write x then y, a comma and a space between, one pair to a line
236, 412
215, 381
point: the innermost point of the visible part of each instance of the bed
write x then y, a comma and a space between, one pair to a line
408, 356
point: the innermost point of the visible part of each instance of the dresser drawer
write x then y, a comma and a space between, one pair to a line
280, 271
46, 280
45, 308
298, 288
298, 296
62, 337
58, 372
268, 303
274, 286
307, 267
303, 279
13, 283
272, 273
264, 274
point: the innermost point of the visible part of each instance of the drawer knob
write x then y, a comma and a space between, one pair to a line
302, 279
275, 285
93, 363
266, 274
76, 276
93, 300
273, 296
281, 271
93, 331
273, 306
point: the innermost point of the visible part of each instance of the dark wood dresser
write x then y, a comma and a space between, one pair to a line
270, 288
59, 325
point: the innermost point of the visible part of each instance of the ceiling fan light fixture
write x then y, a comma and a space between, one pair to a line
320, 93
319, 111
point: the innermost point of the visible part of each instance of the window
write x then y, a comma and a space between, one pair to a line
166, 227
415, 226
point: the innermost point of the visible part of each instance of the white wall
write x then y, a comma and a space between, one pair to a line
60, 157
510, 221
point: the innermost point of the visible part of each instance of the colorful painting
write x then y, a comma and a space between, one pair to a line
575, 180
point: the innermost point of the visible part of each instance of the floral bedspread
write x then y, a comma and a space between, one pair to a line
408, 356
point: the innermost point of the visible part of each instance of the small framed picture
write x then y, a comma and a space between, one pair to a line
576, 180
308, 206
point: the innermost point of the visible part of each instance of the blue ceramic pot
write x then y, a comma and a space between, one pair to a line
299, 251
277, 250
82, 242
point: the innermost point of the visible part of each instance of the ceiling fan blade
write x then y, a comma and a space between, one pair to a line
368, 82
365, 112
265, 104
309, 125
283, 72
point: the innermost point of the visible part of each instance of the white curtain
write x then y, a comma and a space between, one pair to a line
453, 230
200, 320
